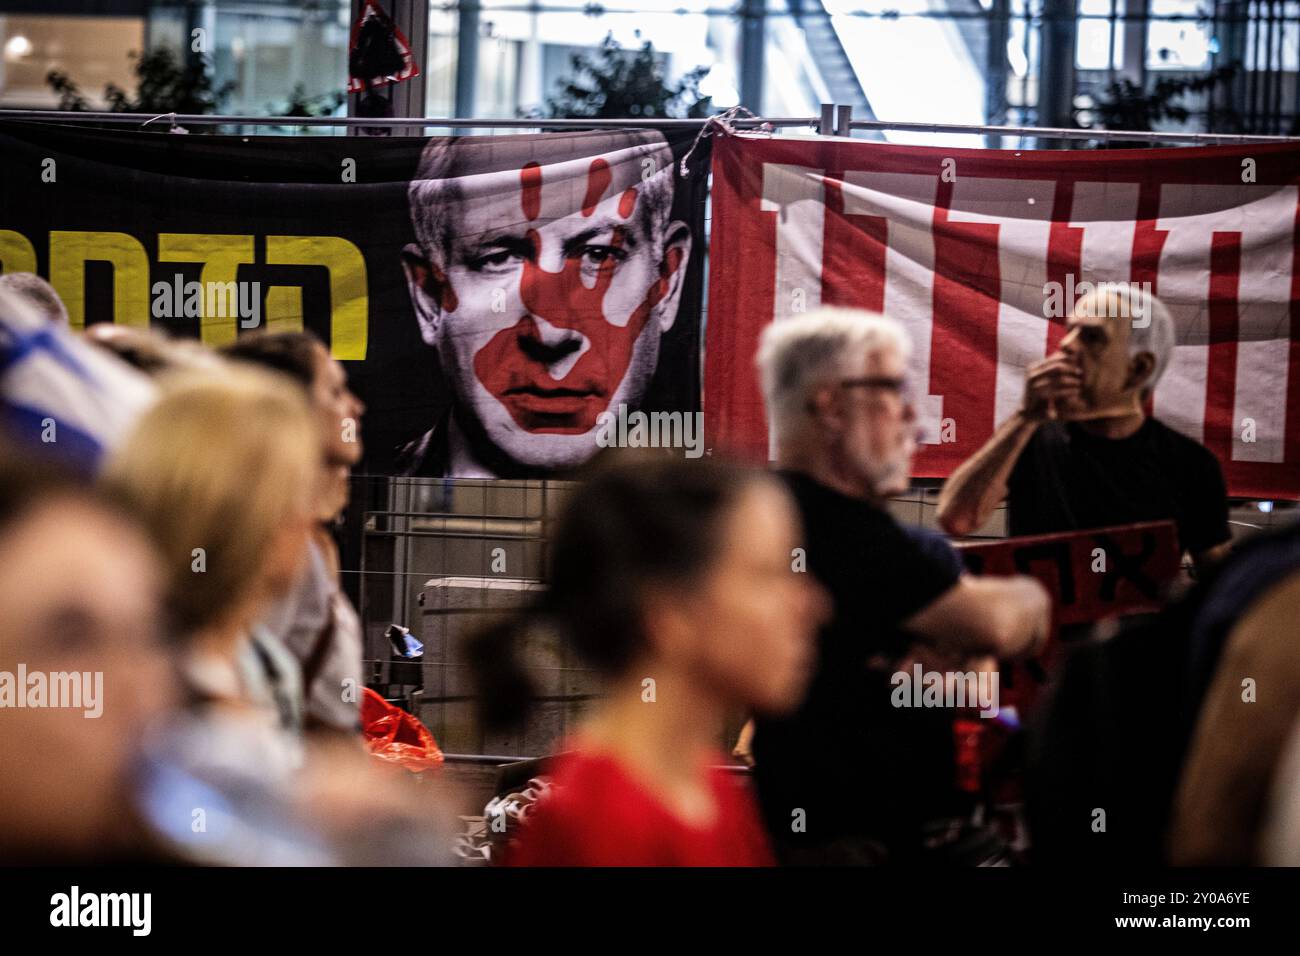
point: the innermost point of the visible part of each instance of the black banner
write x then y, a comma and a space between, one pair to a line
490, 297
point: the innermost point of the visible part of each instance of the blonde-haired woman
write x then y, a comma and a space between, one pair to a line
222, 473
216, 471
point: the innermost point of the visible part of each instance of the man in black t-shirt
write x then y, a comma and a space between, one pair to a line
851, 775
1081, 451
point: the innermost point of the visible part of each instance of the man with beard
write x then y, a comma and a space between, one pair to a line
1082, 452
545, 289
850, 777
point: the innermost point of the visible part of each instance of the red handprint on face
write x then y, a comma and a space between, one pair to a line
564, 316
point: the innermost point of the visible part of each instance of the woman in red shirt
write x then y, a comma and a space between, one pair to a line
679, 582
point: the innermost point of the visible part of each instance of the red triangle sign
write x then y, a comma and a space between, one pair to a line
381, 29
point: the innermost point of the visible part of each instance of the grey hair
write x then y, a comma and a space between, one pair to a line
797, 355
1152, 327
37, 293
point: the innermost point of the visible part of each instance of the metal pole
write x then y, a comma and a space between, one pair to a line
995, 66
1134, 28
1253, 74
200, 16
844, 120
467, 57
1276, 64
428, 122
162, 120
1056, 63
753, 48
1048, 132
412, 18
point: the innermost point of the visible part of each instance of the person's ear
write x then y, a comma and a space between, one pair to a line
1140, 369
672, 274
429, 290
668, 627
824, 407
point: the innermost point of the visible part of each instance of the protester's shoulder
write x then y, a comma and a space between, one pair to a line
1181, 447
802, 487
590, 816
827, 506
936, 547
583, 782
1259, 565
927, 538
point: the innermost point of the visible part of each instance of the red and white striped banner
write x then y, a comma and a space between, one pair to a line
981, 253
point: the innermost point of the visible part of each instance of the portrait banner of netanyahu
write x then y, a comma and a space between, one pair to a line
983, 256
498, 301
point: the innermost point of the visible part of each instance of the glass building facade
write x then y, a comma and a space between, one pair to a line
939, 61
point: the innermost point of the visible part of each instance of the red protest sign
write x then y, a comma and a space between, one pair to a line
1091, 575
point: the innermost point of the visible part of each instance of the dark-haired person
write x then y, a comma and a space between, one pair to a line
673, 579
80, 612
1081, 451
317, 622
850, 777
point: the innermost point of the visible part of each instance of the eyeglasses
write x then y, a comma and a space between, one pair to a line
899, 386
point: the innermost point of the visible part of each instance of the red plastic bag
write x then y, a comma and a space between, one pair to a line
397, 737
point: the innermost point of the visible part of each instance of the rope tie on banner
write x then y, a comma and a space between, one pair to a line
721, 123
173, 127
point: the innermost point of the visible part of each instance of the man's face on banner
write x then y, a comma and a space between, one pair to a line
545, 290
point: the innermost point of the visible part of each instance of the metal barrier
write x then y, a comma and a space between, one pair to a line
834, 120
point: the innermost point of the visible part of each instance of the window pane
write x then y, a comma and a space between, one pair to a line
1093, 51
1169, 7
1177, 45
91, 50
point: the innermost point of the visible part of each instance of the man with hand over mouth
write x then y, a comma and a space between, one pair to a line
1082, 452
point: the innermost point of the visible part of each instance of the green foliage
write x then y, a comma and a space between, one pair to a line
163, 85
300, 104
620, 84
1129, 106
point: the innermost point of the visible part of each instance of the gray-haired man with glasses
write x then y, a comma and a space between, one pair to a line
851, 776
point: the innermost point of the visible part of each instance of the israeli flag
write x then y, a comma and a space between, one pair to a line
59, 393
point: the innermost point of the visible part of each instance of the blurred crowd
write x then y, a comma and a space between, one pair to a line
167, 517
165, 521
